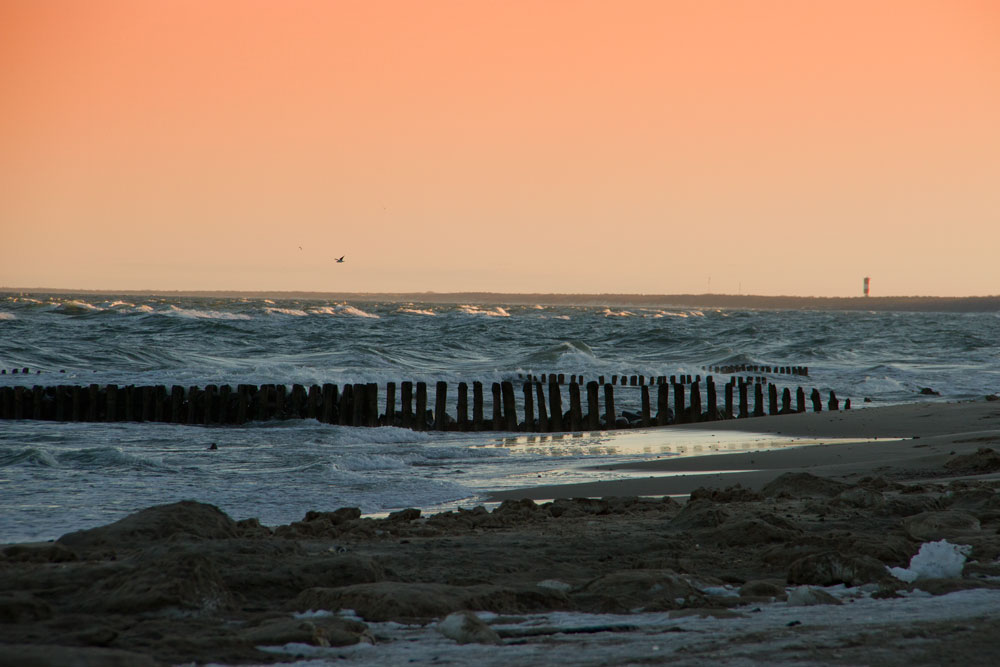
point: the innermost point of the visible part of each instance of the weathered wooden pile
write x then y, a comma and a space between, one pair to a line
539, 406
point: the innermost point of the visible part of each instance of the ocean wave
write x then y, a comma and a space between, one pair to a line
416, 311
607, 312
197, 314
76, 307
342, 309
31, 456
575, 351
497, 311
8, 316
293, 312
109, 457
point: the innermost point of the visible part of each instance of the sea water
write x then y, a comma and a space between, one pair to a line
57, 477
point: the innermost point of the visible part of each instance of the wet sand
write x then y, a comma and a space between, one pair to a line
748, 574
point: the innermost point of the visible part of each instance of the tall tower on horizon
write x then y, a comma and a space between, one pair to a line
867, 281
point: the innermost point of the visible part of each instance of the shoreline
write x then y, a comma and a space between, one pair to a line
910, 441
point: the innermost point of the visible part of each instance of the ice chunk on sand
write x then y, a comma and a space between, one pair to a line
935, 560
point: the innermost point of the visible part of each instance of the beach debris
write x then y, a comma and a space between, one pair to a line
808, 596
935, 560
467, 628
555, 585
323, 631
992, 397
940, 525
927, 391
831, 568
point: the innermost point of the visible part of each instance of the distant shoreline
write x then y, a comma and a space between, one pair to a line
748, 301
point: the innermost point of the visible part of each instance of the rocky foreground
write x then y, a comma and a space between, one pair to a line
184, 583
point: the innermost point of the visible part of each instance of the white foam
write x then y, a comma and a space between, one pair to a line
607, 312
195, 314
8, 316
293, 312
498, 311
416, 311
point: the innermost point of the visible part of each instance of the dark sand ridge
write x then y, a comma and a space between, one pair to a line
912, 439
183, 583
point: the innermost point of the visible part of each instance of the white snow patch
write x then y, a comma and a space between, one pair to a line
935, 560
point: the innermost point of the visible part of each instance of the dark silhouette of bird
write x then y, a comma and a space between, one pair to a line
340, 260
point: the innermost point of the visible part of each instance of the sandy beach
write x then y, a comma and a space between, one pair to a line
784, 562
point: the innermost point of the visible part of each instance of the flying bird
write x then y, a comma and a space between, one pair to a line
340, 260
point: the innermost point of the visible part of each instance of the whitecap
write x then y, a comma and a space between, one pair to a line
607, 312
195, 314
8, 316
417, 311
498, 311
294, 312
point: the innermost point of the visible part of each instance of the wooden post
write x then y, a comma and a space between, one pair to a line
421, 415
772, 399
634, 380
462, 409
371, 404
662, 404
680, 416
610, 415
575, 409
62, 405
786, 401
280, 394
314, 402
390, 403
696, 401
729, 399
330, 400
406, 404
477, 406
19, 401
758, 400
834, 403
208, 412
555, 408
529, 407
614, 379
744, 400
298, 402
191, 414
800, 400
543, 417
713, 401
441, 406
509, 405
817, 401
644, 389
93, 396
360, 401
497, 407
346, 408
261, 402
38, 402
593, 408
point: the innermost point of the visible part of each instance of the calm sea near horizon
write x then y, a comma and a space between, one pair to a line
57, 477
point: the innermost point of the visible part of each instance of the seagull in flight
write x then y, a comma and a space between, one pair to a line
340, 260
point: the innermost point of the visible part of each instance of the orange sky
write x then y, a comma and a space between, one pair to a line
768, 147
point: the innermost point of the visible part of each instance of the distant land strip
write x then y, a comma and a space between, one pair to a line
970, 304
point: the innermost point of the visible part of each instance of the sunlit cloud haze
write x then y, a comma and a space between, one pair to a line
767, 147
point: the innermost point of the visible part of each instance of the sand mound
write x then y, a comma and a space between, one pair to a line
802, 485
186, 519
983, 460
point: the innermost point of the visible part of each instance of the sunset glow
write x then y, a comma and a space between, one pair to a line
766, 147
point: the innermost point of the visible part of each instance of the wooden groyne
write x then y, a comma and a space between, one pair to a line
532, 404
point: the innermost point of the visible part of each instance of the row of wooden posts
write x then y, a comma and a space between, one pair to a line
358, 404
